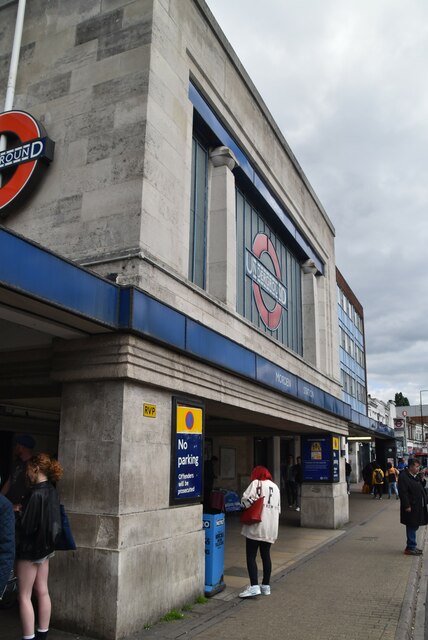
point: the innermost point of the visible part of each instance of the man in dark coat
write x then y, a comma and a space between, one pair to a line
413, 503
7, 541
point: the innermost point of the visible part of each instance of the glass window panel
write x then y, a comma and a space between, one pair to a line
198, 214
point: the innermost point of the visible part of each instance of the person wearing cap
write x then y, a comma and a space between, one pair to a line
16, 488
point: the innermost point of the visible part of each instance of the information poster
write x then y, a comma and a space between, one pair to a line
187, 458
320, 458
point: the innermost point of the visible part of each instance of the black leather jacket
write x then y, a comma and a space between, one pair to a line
40, 523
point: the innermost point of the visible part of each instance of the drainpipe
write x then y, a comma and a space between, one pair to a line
13, 70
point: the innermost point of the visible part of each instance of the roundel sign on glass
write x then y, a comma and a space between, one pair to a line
263, 267
28, 151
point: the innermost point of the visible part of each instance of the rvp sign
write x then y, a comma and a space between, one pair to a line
28, 152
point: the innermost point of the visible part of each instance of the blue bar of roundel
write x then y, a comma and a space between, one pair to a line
209, 345
274, 376
33, 271
157, 320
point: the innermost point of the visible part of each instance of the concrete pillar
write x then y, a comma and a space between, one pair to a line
137, 557
221, 257
324, 506
311, 349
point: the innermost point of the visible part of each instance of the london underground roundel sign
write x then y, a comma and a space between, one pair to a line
263, 267
28, 151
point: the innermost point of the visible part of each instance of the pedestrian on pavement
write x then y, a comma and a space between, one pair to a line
401, 464
262, 534
413, 504
290, 482
348, 471
209, 477
391, 475
16, 487
367, 476
37, 529
7, 541
377, 480
298, 478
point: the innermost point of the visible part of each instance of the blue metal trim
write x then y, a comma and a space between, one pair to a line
156, 320
27, 268
225, 137
213, 347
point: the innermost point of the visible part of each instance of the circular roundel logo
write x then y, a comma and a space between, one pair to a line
263, 267
190, 420
26, 154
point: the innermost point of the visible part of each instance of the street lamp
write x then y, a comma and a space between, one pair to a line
420, 402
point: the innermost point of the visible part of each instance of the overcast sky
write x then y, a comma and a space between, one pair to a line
347, 83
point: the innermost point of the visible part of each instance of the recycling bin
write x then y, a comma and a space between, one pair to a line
214, 526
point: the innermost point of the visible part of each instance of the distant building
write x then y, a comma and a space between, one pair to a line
411, 431
381, 411
351, 346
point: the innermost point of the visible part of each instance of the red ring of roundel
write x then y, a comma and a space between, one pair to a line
270, 318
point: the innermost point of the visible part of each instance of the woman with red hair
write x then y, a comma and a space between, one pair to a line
262, 534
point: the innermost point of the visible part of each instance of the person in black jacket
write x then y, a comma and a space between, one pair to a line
38, 528
7, 541
413, 504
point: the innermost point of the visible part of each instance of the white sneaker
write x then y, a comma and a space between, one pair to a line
265, 589
250, 592
297, 508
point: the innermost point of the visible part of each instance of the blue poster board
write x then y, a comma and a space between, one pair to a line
187, 453
320, 458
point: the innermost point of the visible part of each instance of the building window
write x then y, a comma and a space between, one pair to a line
198, 214
269, 289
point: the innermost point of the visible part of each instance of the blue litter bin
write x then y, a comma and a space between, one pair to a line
214, 526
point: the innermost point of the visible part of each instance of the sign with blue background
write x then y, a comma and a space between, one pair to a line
187, 463
320, 458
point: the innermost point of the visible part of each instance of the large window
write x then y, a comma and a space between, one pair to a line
198, 214
269, 291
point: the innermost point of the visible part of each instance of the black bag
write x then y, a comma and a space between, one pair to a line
65, 540
378, 476
10, 592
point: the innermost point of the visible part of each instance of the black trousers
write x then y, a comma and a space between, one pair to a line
252, 547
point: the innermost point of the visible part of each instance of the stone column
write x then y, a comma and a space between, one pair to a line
137, 556
311, 337
324, 506
221, 256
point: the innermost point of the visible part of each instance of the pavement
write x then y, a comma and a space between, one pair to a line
350, 584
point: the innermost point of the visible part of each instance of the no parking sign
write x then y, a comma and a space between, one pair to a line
187, 454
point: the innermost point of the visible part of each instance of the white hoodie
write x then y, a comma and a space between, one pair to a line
267, 529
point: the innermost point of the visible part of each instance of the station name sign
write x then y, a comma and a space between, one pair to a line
27, 153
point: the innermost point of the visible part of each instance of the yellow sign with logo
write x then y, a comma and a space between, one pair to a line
149, 410
335, 443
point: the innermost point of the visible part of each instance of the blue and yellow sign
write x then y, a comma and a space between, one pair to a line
188, 455
320, 458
